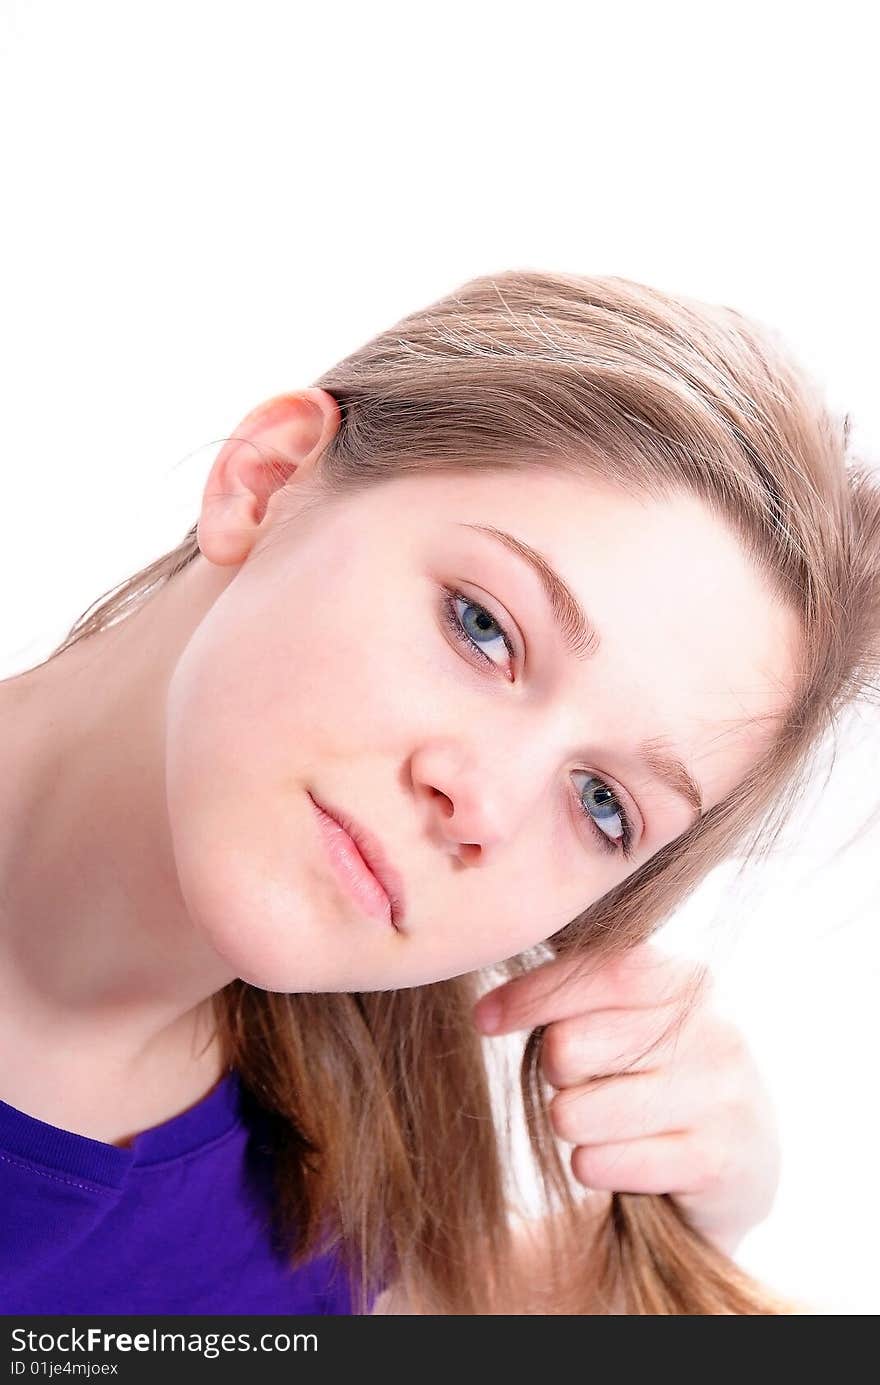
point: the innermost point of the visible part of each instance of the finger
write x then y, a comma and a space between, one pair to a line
643, 976
607, 1042
631, 1107
660, 1164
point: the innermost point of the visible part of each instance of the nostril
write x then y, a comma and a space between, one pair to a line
438, 793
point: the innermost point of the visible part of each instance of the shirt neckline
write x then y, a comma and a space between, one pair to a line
24, 1137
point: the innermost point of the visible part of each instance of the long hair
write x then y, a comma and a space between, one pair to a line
377, 1106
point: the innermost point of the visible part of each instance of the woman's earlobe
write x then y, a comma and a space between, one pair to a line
240, 485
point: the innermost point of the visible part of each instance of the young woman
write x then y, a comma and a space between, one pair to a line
541, 599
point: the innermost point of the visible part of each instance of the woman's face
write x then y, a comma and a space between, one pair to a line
497, 780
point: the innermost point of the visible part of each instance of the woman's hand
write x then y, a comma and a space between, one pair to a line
692, 1118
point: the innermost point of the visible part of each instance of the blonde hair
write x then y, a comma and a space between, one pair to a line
378, 1105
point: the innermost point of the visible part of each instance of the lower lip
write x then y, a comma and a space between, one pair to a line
352, 871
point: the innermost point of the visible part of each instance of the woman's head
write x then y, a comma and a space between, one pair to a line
668, 462
336, 665
687, 482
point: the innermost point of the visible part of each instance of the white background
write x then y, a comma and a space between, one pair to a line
209, 203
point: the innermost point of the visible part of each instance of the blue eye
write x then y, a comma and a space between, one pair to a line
608, 807
475, 630
611, 813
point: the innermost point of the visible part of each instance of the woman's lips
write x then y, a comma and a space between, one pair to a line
359, 864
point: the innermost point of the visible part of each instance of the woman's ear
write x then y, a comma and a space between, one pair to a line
278, 441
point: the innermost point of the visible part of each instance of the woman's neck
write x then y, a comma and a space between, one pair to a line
100, 962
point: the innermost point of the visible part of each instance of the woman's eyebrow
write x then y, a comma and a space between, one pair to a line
582, 641
578, 634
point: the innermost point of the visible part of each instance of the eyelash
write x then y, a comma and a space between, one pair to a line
452, 621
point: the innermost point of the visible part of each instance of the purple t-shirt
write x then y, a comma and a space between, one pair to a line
176, 1223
